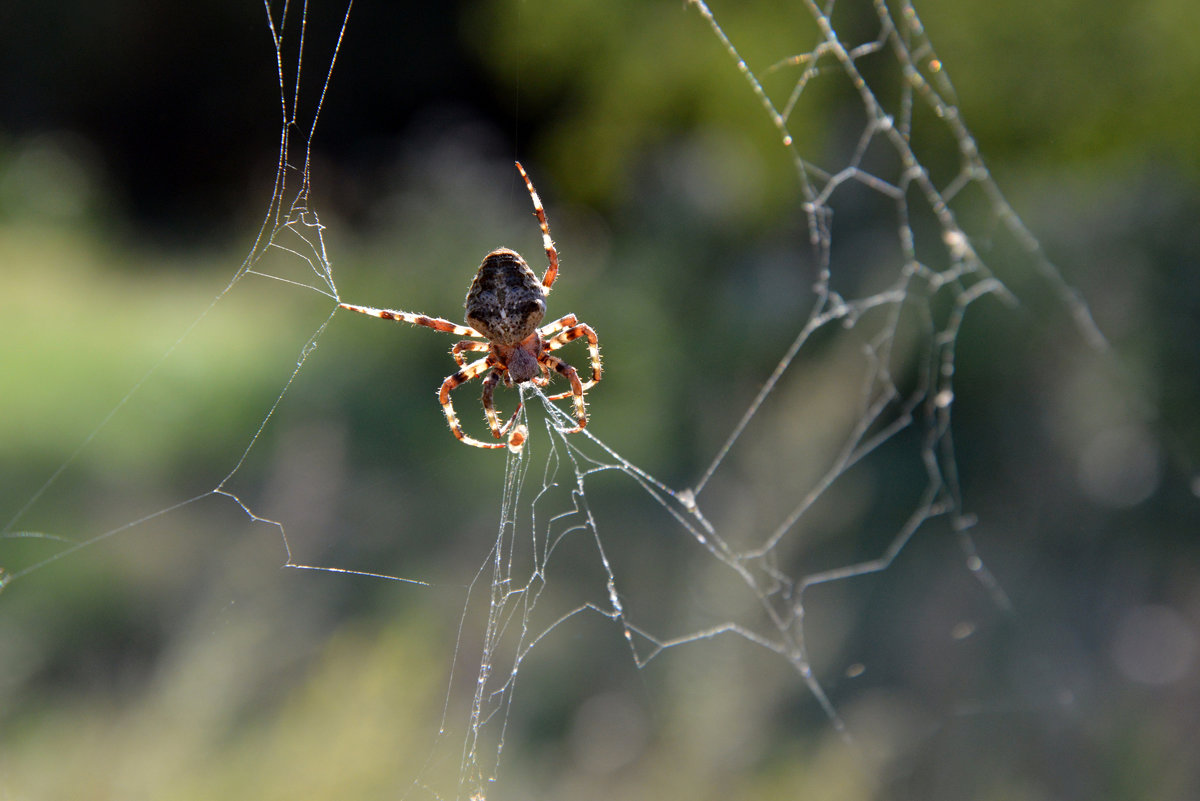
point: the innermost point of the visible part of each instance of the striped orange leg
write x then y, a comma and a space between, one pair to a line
566, 330
567, 371
489, 409
473, 370
436, 323
547, 242
467, 345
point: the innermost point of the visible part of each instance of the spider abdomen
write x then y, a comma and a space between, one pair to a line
506, 301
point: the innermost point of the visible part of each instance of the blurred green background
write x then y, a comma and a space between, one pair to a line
173, 658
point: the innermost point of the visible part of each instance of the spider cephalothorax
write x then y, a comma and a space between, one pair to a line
505, 304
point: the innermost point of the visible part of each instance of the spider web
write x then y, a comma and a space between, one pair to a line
836, 470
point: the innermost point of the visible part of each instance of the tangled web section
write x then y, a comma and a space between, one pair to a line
903, 337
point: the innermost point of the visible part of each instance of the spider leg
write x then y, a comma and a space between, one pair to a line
567, 329
550, 329
566, 370
473, 370
516, 413
436, 323
493, 417
466, 345
547, 242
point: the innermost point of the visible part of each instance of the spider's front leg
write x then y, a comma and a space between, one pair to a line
467, 345
568, 372
567, 329
473, 370
489, 409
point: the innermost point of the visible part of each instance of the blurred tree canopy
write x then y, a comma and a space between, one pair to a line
179, 100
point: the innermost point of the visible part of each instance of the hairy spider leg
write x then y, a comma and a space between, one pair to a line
567, 371
489, 408
547, 242
567, 329
473, 370
436, 323
467, 345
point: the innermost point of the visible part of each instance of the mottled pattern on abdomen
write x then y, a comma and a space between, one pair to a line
506, 301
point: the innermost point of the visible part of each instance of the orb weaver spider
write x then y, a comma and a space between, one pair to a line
505, 304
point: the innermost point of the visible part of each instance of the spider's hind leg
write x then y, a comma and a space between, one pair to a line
547, 242
436, 323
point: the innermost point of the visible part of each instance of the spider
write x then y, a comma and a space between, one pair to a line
504, 305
